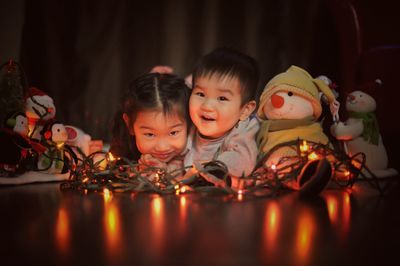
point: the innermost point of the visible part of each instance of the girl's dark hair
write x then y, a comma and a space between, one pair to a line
153, 91
226, 61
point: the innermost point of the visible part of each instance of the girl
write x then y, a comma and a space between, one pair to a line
152, 124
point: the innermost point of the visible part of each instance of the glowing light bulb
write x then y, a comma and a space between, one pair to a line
304, 146
110, 157
183, 189
60, 145
313, 156
273, 167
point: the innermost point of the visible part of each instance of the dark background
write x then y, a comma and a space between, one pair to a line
84, 53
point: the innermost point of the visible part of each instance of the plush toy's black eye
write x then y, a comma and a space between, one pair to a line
290, 93
58, 130
360, 95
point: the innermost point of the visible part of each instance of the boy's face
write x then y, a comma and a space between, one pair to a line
215, 105
161, 135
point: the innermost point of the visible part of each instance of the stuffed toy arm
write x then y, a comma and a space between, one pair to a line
348, 131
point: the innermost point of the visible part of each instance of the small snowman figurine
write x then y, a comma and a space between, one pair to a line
54, 136
289, 108
360, 133
14, 145
39, 108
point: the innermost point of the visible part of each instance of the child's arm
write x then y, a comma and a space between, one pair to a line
239, 152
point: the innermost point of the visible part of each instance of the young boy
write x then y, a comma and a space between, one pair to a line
221, 103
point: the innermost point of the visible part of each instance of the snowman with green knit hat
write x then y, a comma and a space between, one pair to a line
289, 109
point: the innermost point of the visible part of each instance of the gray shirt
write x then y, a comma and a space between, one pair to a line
237, 148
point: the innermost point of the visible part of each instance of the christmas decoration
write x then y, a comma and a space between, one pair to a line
289, 109
12, 89
16, 154
121, 175
39, 108
78, 139
360, 133
54, 136
24, 159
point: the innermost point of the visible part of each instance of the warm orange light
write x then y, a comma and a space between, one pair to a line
332, 205
156, 207
183, 201
183, 189
339, 210
273, 167
271, 223
110, 157
85, 179
60, 145
304, 235
240, 195
112, 229
62, 230
107, 195
313, 156
304, 147
157, 232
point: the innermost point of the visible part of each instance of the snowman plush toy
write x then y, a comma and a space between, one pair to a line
54, 136
360, 133
288, 111
39, 109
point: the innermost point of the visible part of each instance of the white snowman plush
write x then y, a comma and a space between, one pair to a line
360, 132
78, 138
289, 108
39, 108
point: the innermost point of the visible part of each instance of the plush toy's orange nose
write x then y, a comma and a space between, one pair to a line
277, 101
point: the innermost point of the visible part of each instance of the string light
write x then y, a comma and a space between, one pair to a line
121, 175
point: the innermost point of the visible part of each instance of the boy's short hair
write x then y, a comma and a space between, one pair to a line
228, 62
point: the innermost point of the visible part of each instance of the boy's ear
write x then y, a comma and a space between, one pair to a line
125, 117
247, 110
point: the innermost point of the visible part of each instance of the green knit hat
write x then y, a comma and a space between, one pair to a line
300, 82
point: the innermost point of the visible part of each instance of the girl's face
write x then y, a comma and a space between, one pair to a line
161, 135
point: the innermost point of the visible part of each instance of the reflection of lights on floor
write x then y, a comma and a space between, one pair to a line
332, 205
112, 220
183, 201
107, 195
339, 211
157, 236
112, 226
182, 214
156, 207
62, 230
305, 235
240, 195
271, 224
